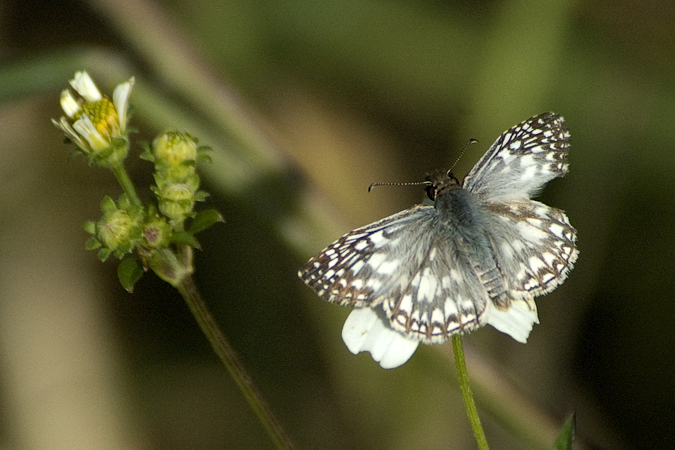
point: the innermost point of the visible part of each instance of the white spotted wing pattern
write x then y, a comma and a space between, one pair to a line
478, 256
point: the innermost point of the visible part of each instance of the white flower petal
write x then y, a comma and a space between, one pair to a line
517, 321
121, 102
85, 127
366, 330
69, 104
85, 86
64, 125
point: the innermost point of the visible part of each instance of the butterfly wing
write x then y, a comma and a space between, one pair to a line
522, 160
444, 293
533, 245
359, 267
426, 283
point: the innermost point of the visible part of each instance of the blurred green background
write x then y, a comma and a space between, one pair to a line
305, 104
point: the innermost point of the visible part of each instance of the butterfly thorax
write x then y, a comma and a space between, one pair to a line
462, 225
440, 182
455, 206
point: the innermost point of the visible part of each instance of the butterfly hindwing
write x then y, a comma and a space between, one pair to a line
533, 244
443, 296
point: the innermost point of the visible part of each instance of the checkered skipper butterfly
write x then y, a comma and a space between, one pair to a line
478, 256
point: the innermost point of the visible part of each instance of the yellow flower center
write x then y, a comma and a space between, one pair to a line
103, 115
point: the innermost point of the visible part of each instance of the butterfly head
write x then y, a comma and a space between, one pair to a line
440, 182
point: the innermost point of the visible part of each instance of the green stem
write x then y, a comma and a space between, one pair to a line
463, 376
228, 356
128, 187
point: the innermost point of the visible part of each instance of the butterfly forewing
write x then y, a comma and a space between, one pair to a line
522, 160
358, 267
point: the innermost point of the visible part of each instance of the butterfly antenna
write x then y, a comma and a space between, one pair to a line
471, 141
414, 183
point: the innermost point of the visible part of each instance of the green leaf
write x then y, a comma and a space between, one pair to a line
184, 238
200, 196
104, 254
204, 219
92, 244
108, 204
129, 272
565, 439
204, 159
90, 227
147, 152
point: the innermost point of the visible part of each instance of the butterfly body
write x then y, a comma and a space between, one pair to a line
479, 255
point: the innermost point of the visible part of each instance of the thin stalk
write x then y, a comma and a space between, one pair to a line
229, 358
128, 187
470, 404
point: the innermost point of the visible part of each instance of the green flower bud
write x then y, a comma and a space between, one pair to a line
176, 200
156, 233
174, 149
117, 229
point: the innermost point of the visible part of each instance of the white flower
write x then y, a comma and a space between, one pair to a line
93, 122
86, 128
368, 330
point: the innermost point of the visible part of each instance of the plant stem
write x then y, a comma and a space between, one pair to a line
229, 358
128, 187
463, 376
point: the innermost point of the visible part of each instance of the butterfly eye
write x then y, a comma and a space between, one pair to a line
431, 191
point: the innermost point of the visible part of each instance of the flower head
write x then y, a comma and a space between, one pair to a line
97, 125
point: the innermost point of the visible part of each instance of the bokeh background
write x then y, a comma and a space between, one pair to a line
305, 104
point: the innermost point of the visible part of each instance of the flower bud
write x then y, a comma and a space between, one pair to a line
115, 229
174, 149
156, 233
176, 201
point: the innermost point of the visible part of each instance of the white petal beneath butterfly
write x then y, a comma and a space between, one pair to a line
478, 256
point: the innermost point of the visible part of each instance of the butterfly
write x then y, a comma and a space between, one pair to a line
479, 255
